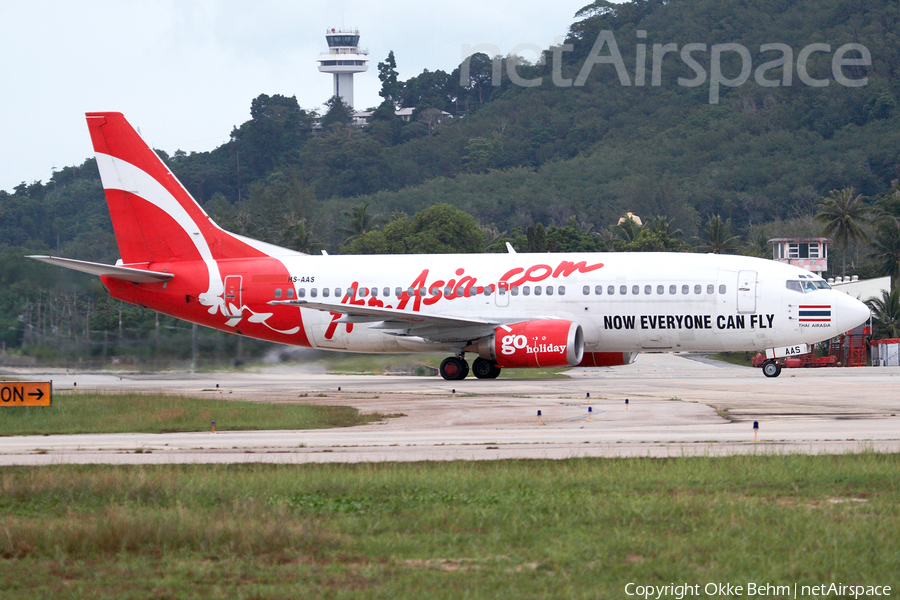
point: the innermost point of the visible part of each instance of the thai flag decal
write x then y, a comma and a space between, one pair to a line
817, 313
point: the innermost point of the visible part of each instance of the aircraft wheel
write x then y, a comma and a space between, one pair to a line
485, 369
771, 369
453, 368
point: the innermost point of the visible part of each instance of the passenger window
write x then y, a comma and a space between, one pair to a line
448, 290
514, 291
598, 290
398, 292
698, 288
660, 290
300, 292
648, 289
549, 290
538, 290
278, 292
337, 292
795, 286
685, 289
611, 290
635, 290
710, 289
386, 292
526, 290
374, 292
623, 289
586, 290
411, 292
722, 289
673, 289
487, 290
325, 292
435, 291
422, 292
363, 292
562, 290
313, 292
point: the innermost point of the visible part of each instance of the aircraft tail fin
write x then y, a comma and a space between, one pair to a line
154, 217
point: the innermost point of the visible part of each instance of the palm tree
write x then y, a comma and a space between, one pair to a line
886, 249
298, 235
627, 228
717, 237
359, 222
841, 213
886, 314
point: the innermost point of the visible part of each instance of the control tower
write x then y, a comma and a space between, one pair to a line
343, 59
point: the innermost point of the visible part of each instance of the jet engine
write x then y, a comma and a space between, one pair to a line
541, 343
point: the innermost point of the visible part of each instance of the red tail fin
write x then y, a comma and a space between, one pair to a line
154, 217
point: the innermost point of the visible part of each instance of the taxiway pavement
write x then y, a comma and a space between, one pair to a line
678, 405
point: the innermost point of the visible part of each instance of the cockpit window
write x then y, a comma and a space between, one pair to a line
806, 286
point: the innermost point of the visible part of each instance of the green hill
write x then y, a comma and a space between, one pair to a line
656, 136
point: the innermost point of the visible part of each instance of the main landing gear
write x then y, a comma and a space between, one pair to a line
455, 367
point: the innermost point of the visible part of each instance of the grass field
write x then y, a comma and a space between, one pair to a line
92, 412
513, 529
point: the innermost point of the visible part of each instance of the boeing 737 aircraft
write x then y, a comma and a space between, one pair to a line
509, 310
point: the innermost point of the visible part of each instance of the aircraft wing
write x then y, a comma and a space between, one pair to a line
113, 271
437, 328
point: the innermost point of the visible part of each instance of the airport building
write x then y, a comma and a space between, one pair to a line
343, 60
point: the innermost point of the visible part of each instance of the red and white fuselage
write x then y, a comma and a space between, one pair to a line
510, 309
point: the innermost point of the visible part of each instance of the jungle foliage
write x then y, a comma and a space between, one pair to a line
548, 167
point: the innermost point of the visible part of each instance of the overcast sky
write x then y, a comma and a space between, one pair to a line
184, 72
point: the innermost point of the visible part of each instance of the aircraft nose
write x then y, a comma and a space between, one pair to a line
851, 312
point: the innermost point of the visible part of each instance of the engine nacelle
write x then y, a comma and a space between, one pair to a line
542, 343
607, 359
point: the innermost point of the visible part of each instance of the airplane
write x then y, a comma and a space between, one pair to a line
512, 310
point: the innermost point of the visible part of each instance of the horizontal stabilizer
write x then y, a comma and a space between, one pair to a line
111, 271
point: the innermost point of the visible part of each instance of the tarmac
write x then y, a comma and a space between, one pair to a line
678, 405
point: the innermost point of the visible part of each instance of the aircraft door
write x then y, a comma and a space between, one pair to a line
501, 295
746, 292
233, 302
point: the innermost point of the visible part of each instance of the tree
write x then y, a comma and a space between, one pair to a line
277, 127
438, 229
387, 74
433, 89
338, 113
299, 236
359, 222
627, 229
716, 237
886, 314
841, 213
